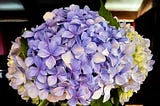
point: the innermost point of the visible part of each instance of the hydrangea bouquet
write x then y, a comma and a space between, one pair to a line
78, 57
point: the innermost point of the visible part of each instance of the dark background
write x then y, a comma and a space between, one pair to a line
147, 25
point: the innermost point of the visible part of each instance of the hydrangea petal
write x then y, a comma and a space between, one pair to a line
85, 92
52, 80
91, 47
107, 90
71, 42
138, 77
52, 46
84, 102
59, 50
90, 22
75, 21
32, 91
97, 94
78, 51
57, 38
50, 62
20, 63
48, 15
29, 61
113, 60
130, 49
42, 45
74, 7
41, 78
20, 77
15, 47
75, 64
98, 58
87, 69
67, 57
103, 36
28, 34
72, 102
43, 94
40, 85
121, 79
58, 91
105, 52
32, 71
43, 53
67, 34
72, 28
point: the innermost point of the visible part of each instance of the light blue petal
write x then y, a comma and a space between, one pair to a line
31, 72
84, 102
91, 48
121, 79
29, 61
42, 45
40, 85
74, 7
67, 34
73, 28
113, 60
99, 57
59, 50
71, 42
50, 62
52, 80
75, 21
28, 34
43, 53
87, 69
103, 36
42, 78
72, 102
52, 46
78, 51
75, 64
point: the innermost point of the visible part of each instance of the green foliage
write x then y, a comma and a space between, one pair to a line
99, 102
115, 94
43, 103
107, 15
24, 48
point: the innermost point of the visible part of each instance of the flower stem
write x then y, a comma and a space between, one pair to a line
43, 103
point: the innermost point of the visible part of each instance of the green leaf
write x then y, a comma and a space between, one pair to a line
107, 103
115, 95
107, 15
99, 102
24, 48
116, 98
43, 103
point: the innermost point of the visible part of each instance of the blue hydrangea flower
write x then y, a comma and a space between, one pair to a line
75, 55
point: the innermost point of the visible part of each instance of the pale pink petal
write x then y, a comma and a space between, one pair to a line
59, 91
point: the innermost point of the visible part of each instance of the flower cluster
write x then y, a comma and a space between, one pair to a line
77, 56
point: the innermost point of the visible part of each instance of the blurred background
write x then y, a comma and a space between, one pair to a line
144, 15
